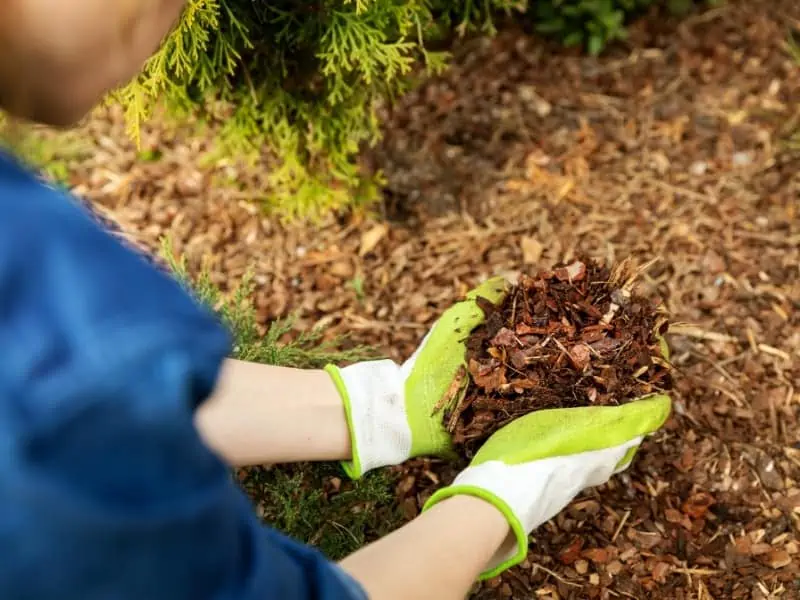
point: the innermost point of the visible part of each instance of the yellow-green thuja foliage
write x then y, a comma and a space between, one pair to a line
299, 80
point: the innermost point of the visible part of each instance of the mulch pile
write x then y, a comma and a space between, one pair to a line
574, 335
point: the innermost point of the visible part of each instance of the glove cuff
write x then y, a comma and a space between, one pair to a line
374, 402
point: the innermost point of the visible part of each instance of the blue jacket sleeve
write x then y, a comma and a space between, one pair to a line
107, 490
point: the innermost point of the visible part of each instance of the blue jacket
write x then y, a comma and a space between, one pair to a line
106, 490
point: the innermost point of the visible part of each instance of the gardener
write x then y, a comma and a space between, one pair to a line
120, 414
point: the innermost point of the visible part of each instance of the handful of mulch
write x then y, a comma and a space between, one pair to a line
577, 335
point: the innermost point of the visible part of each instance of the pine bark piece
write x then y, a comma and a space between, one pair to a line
576, 335
777, 559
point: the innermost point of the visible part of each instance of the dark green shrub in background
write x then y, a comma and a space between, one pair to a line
588, 23
593, 24
300, 79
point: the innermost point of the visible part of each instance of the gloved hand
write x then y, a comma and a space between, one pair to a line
533, 467
390, 407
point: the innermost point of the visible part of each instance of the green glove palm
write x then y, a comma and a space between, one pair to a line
390, 407
533, 467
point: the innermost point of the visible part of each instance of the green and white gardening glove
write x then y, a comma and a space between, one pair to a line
533, 467
390, 407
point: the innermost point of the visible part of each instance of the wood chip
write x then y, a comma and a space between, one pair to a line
532, 250
371, 238
777, 559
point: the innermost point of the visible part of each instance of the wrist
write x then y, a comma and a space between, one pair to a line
485, 522
513, 547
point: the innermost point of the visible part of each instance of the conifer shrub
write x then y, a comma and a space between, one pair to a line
589, 23
293, 498
296, 78
299, 80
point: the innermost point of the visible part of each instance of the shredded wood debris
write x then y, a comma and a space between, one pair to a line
573, 335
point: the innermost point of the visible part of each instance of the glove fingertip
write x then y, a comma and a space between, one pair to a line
493, 289
660, 408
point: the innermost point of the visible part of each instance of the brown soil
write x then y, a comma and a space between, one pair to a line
676, 146
576, 335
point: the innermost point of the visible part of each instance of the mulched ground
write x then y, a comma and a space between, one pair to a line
673, 148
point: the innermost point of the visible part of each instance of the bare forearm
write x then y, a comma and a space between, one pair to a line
439, 555
261, 414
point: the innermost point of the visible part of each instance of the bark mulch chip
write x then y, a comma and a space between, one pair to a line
575, 335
